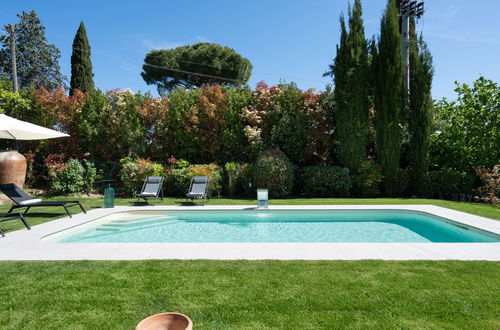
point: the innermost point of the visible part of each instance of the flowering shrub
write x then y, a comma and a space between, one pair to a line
272, 170
213, 171
237, 178
72, 177
124, 134
178, 179
207, 120
294, 121
489, 192
255, 114
326, 181
154, 113
55, 108
319, 144
134, 171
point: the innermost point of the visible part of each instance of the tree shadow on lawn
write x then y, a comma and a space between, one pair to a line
46, 214
186, 203
142, 203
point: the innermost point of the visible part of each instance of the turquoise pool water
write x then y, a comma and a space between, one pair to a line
272, 226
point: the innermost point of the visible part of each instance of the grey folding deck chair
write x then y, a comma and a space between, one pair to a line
152, 187
198, 189
12, 216
22, 199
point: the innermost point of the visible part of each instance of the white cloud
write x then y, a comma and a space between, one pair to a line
150, 44
123, 64
154, 44
201, 38
466, 37
452, 12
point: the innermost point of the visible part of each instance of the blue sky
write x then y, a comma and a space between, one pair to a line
286, 40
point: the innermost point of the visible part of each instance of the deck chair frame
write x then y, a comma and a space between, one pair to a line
159, 192
204, 196
17, 195
12, 216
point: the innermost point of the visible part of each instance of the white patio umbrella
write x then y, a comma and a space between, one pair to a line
15, 129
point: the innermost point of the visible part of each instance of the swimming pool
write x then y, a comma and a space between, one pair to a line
266, 226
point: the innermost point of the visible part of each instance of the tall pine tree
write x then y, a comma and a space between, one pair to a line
389, 98
420, 113
81, 66
37, 60
350, 71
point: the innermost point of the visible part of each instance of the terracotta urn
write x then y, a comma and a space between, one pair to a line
166, 321
12, 167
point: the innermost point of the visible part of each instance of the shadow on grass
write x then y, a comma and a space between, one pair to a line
185, 203
45, 214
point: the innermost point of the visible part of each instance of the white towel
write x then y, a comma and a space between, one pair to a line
30, 201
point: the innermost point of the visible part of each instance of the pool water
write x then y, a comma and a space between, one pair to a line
272, 226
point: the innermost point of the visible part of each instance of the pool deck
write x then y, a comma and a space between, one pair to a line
27, 244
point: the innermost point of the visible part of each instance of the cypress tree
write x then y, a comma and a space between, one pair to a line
350, 69
352, 103
81, 66
420, 114
389, 98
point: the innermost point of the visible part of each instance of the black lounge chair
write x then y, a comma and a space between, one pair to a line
152, 187
198, 189
12, 216
22, 199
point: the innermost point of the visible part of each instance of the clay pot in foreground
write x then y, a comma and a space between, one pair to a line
166, 321
12, 167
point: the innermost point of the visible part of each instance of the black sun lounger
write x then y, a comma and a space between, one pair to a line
22, 199
198, 189
152, 187
12, 216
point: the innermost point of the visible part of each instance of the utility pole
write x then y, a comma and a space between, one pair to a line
13, 56
408, 9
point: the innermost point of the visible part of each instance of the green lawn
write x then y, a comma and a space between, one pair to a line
40, 215
252, 294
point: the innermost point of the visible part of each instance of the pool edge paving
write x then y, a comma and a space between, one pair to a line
27, 244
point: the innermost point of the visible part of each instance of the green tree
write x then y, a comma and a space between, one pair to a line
420, 114
468, 132
388, 98
37, 60
81, 66
194, 66
288, 123
350, 71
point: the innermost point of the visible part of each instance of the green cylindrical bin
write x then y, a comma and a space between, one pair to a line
109, 197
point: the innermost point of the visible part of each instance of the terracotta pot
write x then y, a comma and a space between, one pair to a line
12, 167
166, 321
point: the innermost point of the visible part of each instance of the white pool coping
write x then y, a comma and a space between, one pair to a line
27, 244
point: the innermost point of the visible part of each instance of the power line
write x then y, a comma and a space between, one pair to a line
217, 77
240, 70
207, 65
194, 73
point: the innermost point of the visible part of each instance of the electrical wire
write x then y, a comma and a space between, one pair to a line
194, 73
201, 64
212, 76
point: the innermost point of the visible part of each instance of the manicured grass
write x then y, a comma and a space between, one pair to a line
252, 294
41, 215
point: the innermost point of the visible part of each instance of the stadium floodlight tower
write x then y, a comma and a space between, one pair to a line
408, 9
